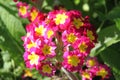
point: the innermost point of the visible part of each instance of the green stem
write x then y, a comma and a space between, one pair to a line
70, 75
115, 1
39, 3
100, 27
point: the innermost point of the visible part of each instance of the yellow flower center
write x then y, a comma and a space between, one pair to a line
82, 47
23, 10
71, 38
86, 75
33, 15
46, 49
49, 33
78, 23
31, 44
60, 18
90, 35
28, 73
73, 60
46, 69
91, 63
40, 30
102, 73
33, 58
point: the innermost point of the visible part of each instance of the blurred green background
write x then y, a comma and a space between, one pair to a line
104, 15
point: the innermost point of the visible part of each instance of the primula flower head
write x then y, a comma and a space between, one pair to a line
47, 69
103, 71
70, 37
91, 34
60, 18
27, 73
84, 45
32, 59
48, 49
23, 9
63, 37
77, 23
86, 75
72, 60
40, 30
33, 14
91, 62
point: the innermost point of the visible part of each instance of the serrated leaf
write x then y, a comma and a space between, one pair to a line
117, 21
106, 38
111, 57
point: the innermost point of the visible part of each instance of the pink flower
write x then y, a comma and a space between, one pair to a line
47, 69
32, 59
40, 30
84, 45
33, 14
76, 19
86, 75
91, 62
73, 60
49, 33
70, 37
91, 34
60, 18
101, 70
23, 9
48, 49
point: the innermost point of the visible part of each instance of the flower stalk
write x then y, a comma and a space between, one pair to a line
70, 75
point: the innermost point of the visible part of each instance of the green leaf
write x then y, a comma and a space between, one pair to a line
117, 76
114, 13
117, 21
68, 4
10, 34
110, 56
1, 60
106, 38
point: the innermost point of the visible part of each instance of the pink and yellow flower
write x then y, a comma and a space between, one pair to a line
91, 62
47, 69
48, 49
33, 14
84, 45
73, 60
49, 34
101, 70
92, 35
40, 30
32, 59
86, 75
60, 18
23, 9
77, 23
70, 37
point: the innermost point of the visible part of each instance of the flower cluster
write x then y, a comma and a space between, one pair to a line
93, 68
59, 36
